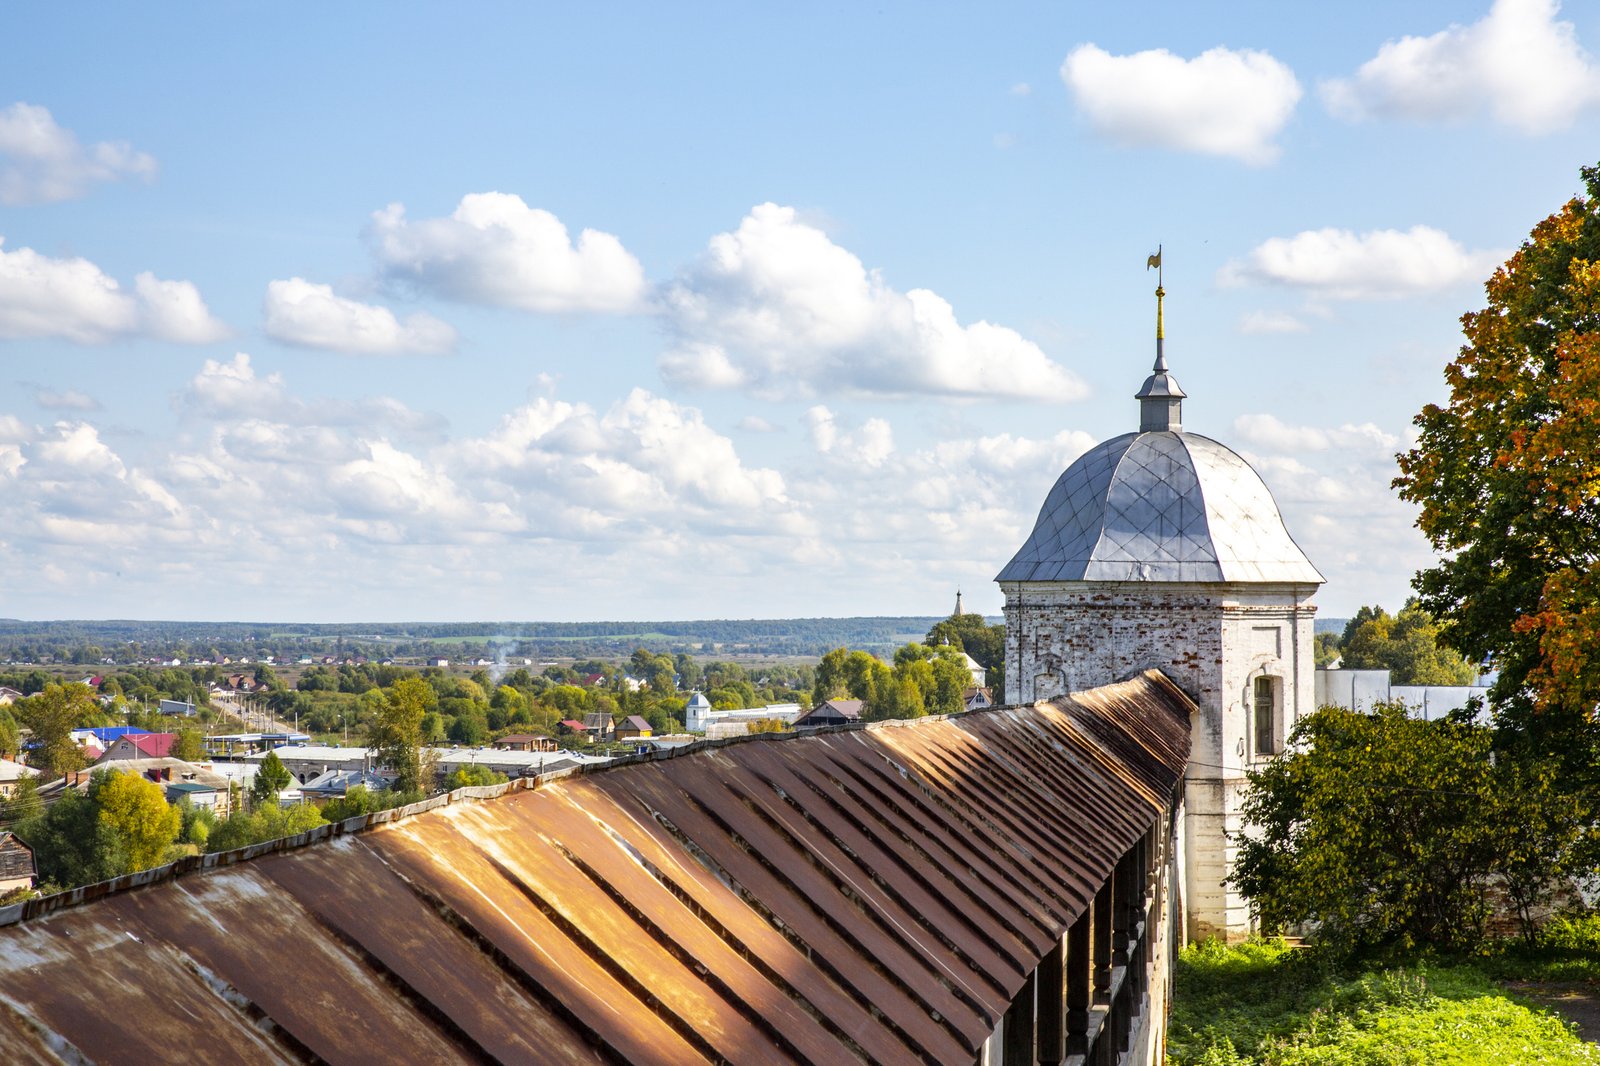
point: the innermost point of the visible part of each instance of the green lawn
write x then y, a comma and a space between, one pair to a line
1266, 1003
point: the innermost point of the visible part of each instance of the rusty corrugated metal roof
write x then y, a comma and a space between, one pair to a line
865, 894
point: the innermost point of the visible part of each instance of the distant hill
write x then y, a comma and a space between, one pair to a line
128, 640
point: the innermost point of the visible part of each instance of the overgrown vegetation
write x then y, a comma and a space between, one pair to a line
1389, 831
1266, 1003
1407, 645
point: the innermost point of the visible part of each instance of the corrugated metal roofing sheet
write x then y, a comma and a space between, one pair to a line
867, 894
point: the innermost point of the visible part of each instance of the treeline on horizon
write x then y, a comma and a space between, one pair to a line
128, 640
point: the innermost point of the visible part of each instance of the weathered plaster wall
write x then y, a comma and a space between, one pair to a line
1214, 640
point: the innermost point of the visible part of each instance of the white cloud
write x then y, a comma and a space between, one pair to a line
300, 312
1332, 485
777, 308
74, 300
1340, 264
757, 424
1257, 322
174, 311
65, 400
66, 486
496, 250
1222, 102
646, 458
872, 444
42, 163
1022, 88
1268, 431
233, 390
1518, 64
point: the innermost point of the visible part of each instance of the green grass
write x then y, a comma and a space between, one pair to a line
1265, 1003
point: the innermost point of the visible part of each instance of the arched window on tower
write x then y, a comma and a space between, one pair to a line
1265, 716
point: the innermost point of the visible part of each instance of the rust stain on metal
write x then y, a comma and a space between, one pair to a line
871, 894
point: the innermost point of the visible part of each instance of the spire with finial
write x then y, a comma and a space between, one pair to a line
959, 611
1160, 400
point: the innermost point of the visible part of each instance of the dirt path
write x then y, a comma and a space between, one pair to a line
1577, 1003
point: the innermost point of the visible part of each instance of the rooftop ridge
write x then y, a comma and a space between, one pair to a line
16, 913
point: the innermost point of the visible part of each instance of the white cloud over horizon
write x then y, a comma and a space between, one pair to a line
74, 300
644, 483
777, 308
1344, 265
496, 250
309, 315
42, 163
1518, 65
1222, 102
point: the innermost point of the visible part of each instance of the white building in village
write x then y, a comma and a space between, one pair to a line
1165, 549
700, 717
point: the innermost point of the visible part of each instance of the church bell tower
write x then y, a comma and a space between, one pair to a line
1163, 548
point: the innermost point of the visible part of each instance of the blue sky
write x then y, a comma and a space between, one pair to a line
391, 311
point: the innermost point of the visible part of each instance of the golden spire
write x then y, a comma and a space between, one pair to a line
1161, 292
1160, 400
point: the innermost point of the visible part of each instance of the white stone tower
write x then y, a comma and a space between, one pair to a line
1165, 549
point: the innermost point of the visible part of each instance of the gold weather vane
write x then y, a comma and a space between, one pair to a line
1161, 292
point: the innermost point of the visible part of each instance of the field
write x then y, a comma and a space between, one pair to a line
1266, 1003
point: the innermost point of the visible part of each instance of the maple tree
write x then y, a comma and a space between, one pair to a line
1506, 476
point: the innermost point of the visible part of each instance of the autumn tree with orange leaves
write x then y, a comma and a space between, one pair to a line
1508, 478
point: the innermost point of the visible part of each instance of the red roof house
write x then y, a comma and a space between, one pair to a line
140, 746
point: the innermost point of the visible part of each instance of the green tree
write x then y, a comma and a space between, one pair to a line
1504, 474
894, 697
1408, 646
830, 676
463, 776
269, 822
358, 799
52, 715
198, 822
137, 811
188, 744
272, 777
508, 701
396, 738
71, 845
984, 642
10, 735
1387, 830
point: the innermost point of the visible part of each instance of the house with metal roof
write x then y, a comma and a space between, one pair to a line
140, 746
831, 712
11, 775
631, 727
16, 864
997, 885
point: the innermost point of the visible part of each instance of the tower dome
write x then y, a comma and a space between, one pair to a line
1160, 506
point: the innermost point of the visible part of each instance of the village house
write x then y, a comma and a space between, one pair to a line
16, 864
831, 712
599, 726
11, 775
526, 742
140, 746
631, 727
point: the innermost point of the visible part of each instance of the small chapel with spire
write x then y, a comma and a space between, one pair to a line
1163, 548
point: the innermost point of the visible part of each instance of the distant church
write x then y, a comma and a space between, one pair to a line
1165, 549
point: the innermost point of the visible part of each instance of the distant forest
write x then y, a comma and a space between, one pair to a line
127, 641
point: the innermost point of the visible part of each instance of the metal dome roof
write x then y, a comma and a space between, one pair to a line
1160, 506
